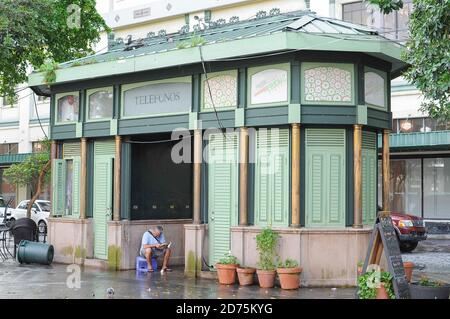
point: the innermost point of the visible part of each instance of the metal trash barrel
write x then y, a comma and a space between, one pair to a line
34, 252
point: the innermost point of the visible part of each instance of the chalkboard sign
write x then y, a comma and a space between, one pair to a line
385, 238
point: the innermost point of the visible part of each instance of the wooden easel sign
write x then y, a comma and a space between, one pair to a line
385, 238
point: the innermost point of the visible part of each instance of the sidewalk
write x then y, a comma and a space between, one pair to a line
36, 281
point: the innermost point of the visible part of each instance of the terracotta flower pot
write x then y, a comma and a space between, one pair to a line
289, 277
245, 275
382, 292
226, 273
266, 278
359, 271
409, 266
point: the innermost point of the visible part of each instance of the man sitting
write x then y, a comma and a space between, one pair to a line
153, 246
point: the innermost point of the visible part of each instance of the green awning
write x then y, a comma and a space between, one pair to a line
13, 158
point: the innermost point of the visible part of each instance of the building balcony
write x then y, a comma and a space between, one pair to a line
412, 140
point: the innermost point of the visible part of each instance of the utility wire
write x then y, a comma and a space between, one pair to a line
209, 87
37, 115
211, 97
159, 141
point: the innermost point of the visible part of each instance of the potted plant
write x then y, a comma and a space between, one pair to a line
375, 285
266, 243
245, 275
409, 266
429, 289
226, 269
289, 274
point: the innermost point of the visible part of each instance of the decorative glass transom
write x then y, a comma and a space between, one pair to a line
328, 84
222, 89
374, 89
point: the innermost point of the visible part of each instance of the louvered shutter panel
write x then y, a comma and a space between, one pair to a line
280, 180
262, 190
272, 177
222, 192
369, 177
102, 203
76, 187
58, 187
71, 149
107, 147
316, 186
325, 177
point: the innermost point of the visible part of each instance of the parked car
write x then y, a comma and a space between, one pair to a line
2, 208
410, 230
40, 211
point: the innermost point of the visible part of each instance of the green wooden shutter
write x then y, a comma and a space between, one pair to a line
76, 187
325, 177
369, 177
71, 149
272, 178
222, 192
102, 203
58, 187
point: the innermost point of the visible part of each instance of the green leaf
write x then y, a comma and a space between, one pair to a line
36, 33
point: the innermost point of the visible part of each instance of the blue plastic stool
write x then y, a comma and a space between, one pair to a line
141, 264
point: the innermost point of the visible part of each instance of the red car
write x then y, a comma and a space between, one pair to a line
410, 230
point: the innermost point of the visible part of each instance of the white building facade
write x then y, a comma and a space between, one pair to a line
23, 125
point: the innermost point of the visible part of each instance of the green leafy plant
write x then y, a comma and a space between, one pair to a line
195, 41
182, 45
32, 32
360, 263
368, 283
425, 281
288, 263
49, 68
427, 52
266, 243
387, 6
33, 172
228, 259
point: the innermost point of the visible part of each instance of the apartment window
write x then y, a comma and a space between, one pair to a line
37, 147
393, 26
411, 125
9, 148
356, 12
421, 124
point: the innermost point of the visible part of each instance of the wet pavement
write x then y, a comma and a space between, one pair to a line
57, 281
431, 259
36, 281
